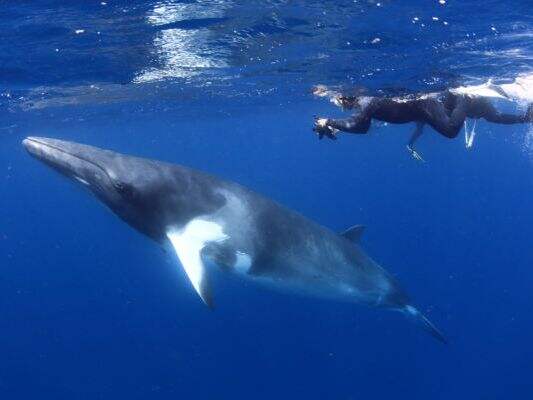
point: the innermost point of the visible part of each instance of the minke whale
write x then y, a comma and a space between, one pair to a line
212, 222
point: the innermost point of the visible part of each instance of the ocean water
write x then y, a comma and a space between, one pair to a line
91, 309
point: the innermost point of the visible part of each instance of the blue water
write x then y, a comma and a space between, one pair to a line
91, 309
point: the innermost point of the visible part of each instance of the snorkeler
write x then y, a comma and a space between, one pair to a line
445, 112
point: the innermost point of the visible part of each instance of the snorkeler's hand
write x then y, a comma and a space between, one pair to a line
416, 155
322, 129
320, 90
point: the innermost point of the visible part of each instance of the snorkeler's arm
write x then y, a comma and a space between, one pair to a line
357, 123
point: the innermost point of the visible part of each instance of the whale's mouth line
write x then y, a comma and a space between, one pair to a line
63, 151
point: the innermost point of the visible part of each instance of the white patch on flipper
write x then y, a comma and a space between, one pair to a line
243, 263
411, 310
188, 243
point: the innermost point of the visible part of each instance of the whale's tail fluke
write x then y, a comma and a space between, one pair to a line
425, 323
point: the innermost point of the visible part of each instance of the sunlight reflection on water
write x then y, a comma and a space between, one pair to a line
183, 53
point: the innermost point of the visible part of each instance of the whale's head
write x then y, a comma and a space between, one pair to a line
147, 194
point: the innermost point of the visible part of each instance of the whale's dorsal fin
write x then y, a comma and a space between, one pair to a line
353, 233
188, 244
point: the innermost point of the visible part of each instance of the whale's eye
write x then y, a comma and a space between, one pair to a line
123, 188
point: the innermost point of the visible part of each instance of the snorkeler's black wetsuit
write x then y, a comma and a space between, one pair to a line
445, 113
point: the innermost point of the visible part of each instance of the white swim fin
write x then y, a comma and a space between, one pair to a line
470, 135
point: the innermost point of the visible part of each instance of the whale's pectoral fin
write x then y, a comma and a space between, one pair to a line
425, 323
188, 244
191, 260
354, 233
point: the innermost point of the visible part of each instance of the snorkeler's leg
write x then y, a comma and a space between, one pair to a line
446, 123
419, 130
414, 137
